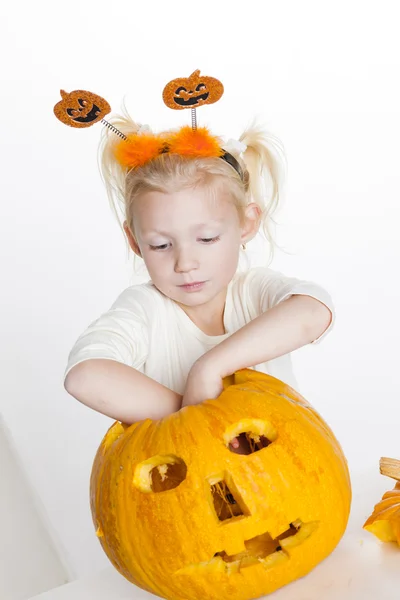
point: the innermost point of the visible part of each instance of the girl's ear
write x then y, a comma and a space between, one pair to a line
251, 222
131, 239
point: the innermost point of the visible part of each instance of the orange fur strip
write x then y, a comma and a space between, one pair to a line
137, 150
192, 143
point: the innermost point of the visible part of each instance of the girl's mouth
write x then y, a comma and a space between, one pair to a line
193, 287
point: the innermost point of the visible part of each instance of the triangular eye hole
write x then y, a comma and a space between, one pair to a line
159, 473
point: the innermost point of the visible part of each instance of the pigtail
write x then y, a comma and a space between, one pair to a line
112, 172
266, 164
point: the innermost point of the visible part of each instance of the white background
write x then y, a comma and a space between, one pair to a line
323, 77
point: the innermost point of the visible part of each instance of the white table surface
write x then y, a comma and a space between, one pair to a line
360, 568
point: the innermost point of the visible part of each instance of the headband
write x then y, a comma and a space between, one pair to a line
81, 109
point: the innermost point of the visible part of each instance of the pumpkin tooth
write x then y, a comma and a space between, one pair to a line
304, 532
273, 559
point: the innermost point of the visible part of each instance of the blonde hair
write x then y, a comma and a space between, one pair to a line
263, 164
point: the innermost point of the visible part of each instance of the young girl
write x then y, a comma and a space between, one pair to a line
170, 342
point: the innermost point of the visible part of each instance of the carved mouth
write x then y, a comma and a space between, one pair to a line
91, 116
191, 101
262, 549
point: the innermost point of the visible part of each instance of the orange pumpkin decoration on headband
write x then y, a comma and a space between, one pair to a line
182, 516
193, 91
81, 108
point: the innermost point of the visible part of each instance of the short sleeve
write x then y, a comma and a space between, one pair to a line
120, 334
269, 288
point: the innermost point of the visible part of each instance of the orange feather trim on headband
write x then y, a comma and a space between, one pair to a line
193, 143
138, 149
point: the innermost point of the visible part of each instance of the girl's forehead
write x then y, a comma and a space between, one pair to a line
188, 207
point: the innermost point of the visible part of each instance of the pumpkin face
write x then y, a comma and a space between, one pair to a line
193, 91
182, 516
80, 108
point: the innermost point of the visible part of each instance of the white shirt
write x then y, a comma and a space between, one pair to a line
150, 332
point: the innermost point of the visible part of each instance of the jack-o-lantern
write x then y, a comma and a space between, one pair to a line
183, 516
81, 108
193, 91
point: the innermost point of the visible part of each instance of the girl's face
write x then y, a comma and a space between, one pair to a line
190, 242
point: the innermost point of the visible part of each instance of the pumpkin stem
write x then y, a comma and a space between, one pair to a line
390, 467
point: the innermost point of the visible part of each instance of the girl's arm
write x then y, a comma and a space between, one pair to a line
293, 323
119, 391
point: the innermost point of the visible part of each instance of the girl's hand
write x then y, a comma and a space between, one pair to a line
203, 383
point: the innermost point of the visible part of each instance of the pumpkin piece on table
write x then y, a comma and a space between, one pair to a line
181, 515
384, 522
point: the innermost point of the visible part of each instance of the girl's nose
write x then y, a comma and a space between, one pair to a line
185, 260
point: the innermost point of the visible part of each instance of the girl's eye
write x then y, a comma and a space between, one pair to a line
210, 240
161, 247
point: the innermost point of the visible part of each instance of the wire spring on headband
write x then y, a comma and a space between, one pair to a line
194, 119
114, 129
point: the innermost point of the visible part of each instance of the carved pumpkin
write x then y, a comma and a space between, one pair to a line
80, 108
182, 516
191, 92
385, 520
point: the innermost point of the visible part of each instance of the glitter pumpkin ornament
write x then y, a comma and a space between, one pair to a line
81, 108
181, 515
193, 91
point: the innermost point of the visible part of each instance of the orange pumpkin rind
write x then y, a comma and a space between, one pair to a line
384, 522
